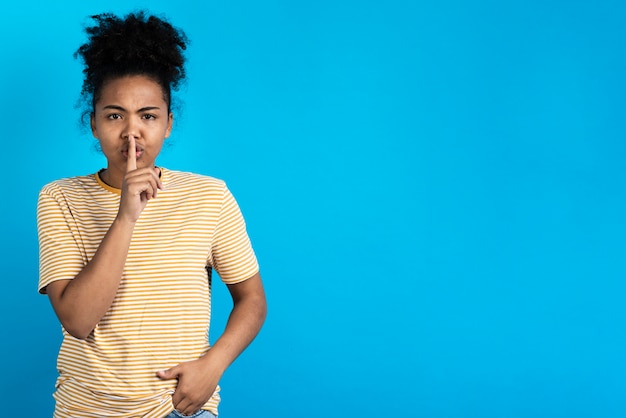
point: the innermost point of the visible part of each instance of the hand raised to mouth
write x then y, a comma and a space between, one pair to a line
138, 187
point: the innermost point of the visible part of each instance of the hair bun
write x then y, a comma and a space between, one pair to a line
136, 44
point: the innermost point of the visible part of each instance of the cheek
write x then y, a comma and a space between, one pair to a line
157, 148
105, 146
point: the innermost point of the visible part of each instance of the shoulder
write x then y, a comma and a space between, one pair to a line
68, 185
183, 179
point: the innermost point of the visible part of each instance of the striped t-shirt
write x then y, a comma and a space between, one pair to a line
160, 315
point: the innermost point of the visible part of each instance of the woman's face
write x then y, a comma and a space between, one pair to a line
130, 105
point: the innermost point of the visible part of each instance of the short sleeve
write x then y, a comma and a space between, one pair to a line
60, 255
232, 255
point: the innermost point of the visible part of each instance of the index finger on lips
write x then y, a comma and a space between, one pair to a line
131, 161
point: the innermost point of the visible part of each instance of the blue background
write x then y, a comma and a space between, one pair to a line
434, 191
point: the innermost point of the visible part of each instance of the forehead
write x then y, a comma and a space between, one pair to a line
136, 90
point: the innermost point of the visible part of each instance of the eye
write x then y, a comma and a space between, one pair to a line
149, 116
114, 116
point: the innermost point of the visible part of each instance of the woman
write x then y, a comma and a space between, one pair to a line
126, 254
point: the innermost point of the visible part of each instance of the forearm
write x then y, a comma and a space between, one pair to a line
83, 301
244, 323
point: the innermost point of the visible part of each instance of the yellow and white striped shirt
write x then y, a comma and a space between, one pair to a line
161, 313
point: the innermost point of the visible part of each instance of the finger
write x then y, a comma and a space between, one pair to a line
179, 401
155, 182
146, 174
142, 182
157, 173
131, 161
144, 187
153, 187
167, 374
186, 407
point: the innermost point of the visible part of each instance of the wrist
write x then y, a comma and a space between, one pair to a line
217, 361
124, 221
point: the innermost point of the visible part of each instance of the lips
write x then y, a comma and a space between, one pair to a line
138, 152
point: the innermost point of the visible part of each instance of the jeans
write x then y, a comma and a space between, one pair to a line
199, 414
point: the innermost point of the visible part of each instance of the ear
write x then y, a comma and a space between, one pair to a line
170, 123
92, 121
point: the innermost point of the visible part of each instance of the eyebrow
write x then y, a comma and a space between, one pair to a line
143, 109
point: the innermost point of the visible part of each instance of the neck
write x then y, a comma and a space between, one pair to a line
111, 179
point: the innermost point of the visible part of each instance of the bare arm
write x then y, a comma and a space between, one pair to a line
244, 322
82, 302
198, 379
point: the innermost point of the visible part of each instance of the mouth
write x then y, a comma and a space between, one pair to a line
138, 152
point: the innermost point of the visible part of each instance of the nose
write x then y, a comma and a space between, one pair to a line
131, 128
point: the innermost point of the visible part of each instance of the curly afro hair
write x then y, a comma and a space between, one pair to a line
135, 45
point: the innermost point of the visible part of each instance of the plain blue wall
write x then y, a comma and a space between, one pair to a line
435, 191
